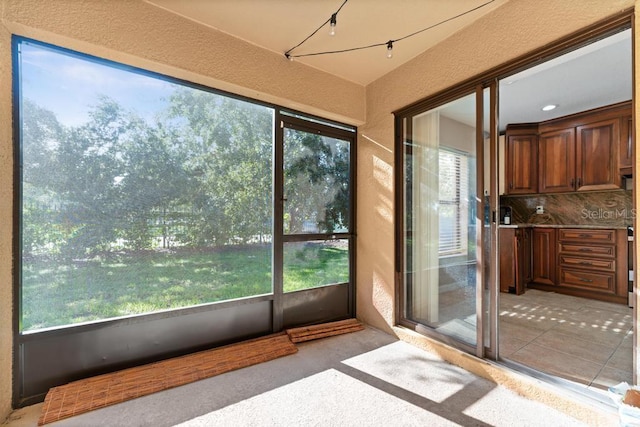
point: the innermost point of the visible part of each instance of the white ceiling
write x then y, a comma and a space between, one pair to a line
593, 76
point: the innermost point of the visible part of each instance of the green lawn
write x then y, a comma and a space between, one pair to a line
56, 294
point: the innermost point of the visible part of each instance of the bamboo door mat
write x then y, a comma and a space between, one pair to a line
315, 332
93, 393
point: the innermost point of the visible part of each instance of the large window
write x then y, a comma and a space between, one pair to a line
138, 194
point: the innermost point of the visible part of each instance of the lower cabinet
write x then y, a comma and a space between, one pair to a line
543, 246
589, 263
593, 263
515, 259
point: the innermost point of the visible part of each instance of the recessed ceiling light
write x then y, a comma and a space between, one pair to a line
549, 107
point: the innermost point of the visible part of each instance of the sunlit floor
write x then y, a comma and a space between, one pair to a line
585, 341
366, 378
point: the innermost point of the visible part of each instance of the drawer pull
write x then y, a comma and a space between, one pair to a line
582, 279
584, 250
586, 236
585, 263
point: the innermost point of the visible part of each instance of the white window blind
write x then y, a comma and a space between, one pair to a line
454, 198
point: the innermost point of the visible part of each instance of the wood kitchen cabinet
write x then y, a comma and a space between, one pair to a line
521, 150
589, 263
581, 158
626, 146
543, 247
581, 152
592, 263
515, 259
557, 162
597, 160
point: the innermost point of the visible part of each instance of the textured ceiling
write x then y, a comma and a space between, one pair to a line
279, 25
590, 77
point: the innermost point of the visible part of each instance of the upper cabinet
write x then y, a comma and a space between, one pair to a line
597, 155
557, 161
522, 160
585, 151
626, 145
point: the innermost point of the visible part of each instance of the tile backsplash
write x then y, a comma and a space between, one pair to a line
602, 208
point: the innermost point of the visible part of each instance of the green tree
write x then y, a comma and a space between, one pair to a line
316, 181
229, 146
41, 135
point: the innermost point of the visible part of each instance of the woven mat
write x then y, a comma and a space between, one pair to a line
93, 393
308, 333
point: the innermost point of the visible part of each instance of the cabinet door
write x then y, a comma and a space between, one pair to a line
544, 256
557, 169
522, 165
507, 259
626, 145
515, 259
597, 155
525, 264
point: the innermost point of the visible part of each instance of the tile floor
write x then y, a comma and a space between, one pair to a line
586, 341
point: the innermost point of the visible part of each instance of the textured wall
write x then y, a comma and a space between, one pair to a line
514, 29
136, 33
6, 195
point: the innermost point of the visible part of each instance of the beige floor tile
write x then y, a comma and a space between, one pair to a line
611, 376
575, 346
604, 319
555, 362
509, 345
544, 318
509, 329
588, 331
627, 341
622, 359
620, 308
586, 341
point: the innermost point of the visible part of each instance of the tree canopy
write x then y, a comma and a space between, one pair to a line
199, 174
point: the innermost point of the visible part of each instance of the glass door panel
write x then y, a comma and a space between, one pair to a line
440, 219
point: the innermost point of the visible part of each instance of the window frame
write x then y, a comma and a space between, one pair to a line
95, 347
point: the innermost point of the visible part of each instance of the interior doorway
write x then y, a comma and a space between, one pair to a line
565, 213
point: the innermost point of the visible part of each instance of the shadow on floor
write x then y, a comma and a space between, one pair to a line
366, 378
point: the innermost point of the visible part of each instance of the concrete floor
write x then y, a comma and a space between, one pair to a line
366, 378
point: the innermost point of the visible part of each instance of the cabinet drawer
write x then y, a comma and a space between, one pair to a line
588, 280
588, 263
581, 235
589, 250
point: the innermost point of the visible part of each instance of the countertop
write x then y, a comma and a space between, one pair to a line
585, 226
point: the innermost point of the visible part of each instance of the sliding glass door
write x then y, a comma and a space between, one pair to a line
443, 222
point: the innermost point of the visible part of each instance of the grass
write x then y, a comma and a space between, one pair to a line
56, 294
